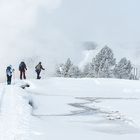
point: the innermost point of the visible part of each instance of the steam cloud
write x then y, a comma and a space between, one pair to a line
23, 34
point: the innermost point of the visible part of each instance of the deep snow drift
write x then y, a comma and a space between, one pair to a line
61, 108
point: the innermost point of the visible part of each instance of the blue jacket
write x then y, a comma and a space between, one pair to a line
9, 70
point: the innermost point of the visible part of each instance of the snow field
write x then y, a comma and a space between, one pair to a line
86, 108
102, 109
15, 114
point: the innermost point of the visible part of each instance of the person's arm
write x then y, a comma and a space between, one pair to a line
42, 68
25, 66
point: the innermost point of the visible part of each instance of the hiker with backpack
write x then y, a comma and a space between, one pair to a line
38, 69
9, 72
22, 69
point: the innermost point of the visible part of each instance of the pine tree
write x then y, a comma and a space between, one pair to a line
103, 63
86, 70
123, 69
89, 70
62, 70
74, 72
67, 67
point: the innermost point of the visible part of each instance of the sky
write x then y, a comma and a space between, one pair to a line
53, 30
106, 21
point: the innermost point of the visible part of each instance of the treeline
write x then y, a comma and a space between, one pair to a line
103, 65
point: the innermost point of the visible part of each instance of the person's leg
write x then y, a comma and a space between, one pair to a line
10, 79
20, 75
24, 76
38, 74
7, 80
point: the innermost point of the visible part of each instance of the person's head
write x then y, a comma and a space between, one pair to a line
40, 63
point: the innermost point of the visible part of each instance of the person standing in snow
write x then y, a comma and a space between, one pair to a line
22, 69
38, 69
9, 72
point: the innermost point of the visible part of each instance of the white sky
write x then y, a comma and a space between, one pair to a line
104, 21
112, 22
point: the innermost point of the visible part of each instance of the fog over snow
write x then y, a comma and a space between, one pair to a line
53, 30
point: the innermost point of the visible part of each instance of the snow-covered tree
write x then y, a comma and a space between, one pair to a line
89, 70
86, 70
103, 65
104, 62
62, 70
74, 72
68, 70
67, 66
123, 69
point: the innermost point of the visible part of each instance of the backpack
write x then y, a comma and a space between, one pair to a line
38, 67
22, 66
9, 71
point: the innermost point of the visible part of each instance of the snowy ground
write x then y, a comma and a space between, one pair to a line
84, 109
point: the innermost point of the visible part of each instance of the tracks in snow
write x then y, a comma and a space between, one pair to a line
14, 115
2, 96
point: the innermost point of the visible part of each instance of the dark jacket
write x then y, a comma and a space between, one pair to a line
22, 66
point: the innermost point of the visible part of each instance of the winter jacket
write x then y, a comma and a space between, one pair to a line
39, 67
9, 70
22, 66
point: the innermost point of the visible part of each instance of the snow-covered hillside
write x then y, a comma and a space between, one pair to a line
59, 108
